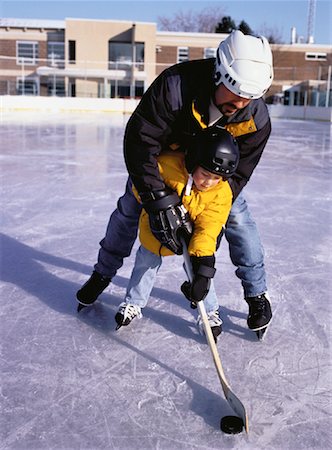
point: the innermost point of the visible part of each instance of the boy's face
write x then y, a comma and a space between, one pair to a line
204, 179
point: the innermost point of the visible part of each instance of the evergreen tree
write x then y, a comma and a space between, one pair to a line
226, 25
245, 28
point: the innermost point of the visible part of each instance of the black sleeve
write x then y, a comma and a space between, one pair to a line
251, 149
148, 129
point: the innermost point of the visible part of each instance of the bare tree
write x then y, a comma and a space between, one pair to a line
204, 21
272, 34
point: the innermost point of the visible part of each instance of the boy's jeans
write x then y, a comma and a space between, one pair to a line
143, 277
245, 248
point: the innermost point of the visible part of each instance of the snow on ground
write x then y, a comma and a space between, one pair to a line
71, 381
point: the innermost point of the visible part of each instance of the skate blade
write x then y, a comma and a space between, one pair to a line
261, 333
80, 307
119, 321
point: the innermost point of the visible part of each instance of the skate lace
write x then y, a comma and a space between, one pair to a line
259, 307
214, 321
130, 311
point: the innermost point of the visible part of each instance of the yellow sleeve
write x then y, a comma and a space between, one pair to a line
208, 224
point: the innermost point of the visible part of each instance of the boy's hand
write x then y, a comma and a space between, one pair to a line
168, 218
203, 269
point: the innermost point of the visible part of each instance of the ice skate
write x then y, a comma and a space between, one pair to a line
260, 314
91, 290
126, 314
215, 324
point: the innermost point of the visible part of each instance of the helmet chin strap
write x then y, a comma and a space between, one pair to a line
214, 113
189, 185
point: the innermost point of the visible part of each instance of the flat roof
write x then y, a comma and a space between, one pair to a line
32, 23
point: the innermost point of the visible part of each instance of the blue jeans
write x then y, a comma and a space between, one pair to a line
245, 247
143, 276
120, 234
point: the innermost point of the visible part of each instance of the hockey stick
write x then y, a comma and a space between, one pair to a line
231, 398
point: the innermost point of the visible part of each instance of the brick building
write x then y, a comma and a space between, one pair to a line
109, 59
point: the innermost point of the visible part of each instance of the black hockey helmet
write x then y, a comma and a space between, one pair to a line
215, 150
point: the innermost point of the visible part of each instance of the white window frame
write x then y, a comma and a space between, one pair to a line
183, 54
55, 57
58, 83
210, 52
35, 80
30, 60
316, 56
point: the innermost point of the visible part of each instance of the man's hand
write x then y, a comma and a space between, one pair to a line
203, 270
168, 218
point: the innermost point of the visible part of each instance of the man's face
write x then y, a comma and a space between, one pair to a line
227, 102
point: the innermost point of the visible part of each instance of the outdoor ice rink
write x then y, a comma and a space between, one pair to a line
70, 381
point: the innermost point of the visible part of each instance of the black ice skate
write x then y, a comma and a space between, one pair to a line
215, 324
260, 314
126, 314
91, 290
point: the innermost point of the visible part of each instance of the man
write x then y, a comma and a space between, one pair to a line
185, 98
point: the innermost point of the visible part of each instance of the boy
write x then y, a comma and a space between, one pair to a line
200, 180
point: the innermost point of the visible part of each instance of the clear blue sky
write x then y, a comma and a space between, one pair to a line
275, 14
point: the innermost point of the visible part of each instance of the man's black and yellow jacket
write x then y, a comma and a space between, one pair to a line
173, 110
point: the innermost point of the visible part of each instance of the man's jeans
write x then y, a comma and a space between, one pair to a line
245, 247
143, 276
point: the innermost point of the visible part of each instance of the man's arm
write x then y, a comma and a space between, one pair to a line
148, 129
146, 134
251, 149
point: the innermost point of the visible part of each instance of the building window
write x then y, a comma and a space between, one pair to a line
315, 56
72, 87
72, 52
56, 86
121, 89
56, 54
210, 52
122, 54
27, 86
183, 54
139, 88
27, 52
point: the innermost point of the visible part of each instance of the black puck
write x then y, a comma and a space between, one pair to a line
231, 424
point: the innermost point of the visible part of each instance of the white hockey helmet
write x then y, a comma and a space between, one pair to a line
244, 65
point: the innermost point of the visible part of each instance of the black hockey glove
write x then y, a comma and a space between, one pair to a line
203, 270
168, 218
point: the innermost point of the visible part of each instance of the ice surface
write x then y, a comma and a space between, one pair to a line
71, 381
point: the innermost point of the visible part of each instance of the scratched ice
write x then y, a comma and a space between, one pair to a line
71, 381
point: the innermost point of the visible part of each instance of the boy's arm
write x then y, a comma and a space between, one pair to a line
203, 272
208, 224
207, 227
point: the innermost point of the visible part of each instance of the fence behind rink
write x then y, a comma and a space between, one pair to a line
92, 79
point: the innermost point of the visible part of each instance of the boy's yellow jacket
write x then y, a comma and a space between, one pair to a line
208, 210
